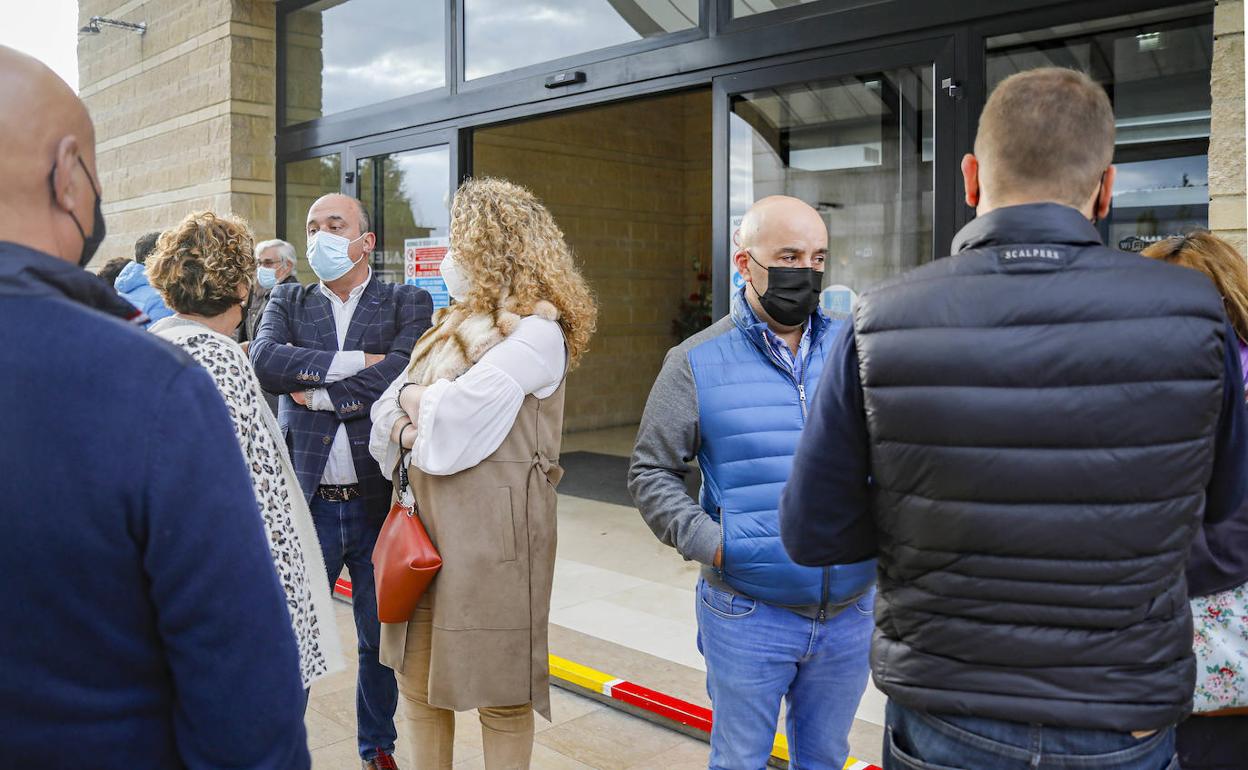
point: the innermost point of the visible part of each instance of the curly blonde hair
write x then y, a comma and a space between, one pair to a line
198, 265
514, 254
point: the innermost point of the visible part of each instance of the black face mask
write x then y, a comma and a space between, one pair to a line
90, 243
792, 293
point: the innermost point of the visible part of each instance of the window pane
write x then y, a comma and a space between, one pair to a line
860, 150
346, 54
1156, 72
307, 180
408, 196
508, 34
751, 7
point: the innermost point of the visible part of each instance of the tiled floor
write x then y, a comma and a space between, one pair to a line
623, 603
585, 735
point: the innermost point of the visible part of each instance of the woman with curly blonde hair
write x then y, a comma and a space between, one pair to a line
477, 420
204, 269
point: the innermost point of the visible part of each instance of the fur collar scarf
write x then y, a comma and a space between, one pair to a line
458, 340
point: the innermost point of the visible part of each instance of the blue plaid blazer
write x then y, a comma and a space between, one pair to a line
293, 350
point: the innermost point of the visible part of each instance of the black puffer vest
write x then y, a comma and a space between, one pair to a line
1042, 413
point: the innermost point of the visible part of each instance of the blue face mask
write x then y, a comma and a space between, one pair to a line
327, 254
266, 277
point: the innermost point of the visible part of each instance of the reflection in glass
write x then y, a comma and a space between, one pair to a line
751, 7
504, 35
860, 150
1155, 69
307, 180
414, 190
342, 54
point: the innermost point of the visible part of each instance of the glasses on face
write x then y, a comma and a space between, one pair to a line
272, 264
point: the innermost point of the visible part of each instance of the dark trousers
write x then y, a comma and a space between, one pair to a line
347, 534
1214, 743
915, 741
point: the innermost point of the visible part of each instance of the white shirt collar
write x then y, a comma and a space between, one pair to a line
354, 293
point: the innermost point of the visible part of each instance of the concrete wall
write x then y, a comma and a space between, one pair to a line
630, 184
184, 114
1228, 206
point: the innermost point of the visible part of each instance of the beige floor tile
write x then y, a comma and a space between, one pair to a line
338, 705
342, 755
566, 706
866, 742
691, 754
649, 633
325, 730
614, 537
676, 604
577, 582
610, 740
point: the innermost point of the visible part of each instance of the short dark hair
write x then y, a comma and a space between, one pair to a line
145, 245
112, 268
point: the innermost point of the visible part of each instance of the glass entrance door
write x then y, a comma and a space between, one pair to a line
406, 187
864, 139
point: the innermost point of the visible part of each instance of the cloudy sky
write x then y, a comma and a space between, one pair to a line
47, 30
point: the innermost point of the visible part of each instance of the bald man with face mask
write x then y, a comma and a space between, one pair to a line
735, 397
144, 624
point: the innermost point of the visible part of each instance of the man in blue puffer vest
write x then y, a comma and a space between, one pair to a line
735, 397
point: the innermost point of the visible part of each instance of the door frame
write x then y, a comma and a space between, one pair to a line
354, 152
938, 52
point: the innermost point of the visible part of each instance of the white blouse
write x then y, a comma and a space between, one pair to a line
462, 421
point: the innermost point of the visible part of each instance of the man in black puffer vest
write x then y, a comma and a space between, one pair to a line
1027, 435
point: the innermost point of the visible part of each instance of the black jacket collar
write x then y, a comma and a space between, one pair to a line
27, 271
1029, 223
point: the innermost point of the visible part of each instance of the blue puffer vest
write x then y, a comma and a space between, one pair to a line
751, 411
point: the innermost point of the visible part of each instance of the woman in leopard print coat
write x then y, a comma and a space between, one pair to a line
204, 268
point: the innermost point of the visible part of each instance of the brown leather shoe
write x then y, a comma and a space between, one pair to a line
383, 761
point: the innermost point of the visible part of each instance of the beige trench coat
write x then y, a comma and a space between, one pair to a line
494, 525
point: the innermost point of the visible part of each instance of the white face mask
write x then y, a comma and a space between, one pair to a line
456, 284
328, 257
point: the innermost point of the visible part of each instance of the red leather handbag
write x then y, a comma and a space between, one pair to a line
405, 560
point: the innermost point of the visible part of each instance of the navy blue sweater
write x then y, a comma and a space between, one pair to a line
143, 623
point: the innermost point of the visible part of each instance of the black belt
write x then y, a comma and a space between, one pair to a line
339, 493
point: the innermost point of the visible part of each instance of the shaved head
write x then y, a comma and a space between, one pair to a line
47, 159
334, 202
777, 216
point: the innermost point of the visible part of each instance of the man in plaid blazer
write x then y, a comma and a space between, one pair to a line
331, 348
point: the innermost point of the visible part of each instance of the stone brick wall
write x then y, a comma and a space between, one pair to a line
1228, 205
184, 114
630, 184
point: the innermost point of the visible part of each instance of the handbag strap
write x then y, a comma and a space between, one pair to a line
403, 481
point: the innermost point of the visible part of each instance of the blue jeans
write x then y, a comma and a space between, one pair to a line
347, 533
756, 654
915, 741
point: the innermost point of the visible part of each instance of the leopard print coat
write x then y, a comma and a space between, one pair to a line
287, 521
